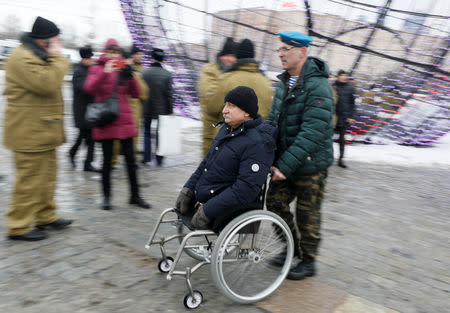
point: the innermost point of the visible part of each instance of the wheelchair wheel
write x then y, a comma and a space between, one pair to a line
199, 253
193, 302
165, 265
244, 269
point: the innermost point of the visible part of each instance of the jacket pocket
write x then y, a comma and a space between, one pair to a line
52, 131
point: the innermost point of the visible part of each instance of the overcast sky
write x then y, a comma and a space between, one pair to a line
81, 16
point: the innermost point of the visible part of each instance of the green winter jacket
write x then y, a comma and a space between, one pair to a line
304, 116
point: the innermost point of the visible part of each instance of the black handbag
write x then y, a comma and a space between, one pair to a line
99, 114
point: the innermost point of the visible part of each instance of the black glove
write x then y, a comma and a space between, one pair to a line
200, 220
185, 200
126, 73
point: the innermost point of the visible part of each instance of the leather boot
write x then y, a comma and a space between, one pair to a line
60, 223
106, 204
302, 270
32, 235
341, 163
136, 200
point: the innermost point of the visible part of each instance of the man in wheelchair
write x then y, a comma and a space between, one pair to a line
236, 166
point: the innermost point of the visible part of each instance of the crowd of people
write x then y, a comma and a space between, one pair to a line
250, 130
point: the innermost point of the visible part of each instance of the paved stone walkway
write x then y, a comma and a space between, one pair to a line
385, 245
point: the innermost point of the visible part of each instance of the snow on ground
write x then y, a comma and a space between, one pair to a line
436, 155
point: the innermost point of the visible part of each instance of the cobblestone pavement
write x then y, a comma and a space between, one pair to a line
385, 243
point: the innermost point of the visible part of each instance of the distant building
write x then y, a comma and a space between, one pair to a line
338, 56
414, 23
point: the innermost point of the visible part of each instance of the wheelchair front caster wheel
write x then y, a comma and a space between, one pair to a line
165, 265
193, 301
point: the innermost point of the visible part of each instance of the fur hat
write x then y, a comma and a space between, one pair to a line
158, 54
245, 98
245, 49
86, 52
229, 47
43, 29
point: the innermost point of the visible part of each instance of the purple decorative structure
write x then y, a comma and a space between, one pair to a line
408, 104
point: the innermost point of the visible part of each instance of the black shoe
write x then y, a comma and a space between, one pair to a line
60, 223
106, 204
72, 160
159, 160
341, 164
302, 270
32, 235
90, 168
140, 202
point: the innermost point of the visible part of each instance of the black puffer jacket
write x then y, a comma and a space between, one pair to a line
80, 98
345, 106
160, 100
235, 168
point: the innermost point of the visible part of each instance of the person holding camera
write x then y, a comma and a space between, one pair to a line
112, 74
33, 128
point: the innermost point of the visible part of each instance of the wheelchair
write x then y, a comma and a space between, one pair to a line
243, 249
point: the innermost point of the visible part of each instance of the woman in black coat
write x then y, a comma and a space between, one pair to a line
80, 101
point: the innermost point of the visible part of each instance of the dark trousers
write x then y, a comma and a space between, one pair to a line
148, 142
341, 131
309, 192
127, 149
84, 134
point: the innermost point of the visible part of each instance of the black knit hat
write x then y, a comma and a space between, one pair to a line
43, 29
342, 72
135, 49
245, 49
229, 47
86, 52
245, 98
158, 54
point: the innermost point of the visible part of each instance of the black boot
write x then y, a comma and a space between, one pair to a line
60, 223
341, 163
302, 270
32, 235
72, 160
90, 168
106, 204
136, 200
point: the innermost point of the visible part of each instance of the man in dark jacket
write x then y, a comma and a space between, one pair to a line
345, 110
303, 109
80, 101
237, 164
159, 102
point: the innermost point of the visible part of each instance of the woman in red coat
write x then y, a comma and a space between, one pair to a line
110, 73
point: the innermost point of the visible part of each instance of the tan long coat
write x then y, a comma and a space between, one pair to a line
35, 110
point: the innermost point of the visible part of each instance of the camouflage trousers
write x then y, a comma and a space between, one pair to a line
309, 192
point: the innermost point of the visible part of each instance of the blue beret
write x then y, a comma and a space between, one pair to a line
295, 39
